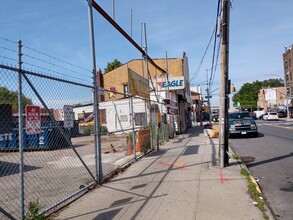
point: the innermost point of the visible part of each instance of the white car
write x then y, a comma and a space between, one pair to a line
270, 116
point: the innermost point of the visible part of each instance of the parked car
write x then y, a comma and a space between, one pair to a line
282, 114
215, 117
270, 116
241, 123
261, 116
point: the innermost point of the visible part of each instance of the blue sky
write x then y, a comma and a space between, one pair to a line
259, 30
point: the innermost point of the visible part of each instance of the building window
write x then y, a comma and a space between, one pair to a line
286, 65
289, 62
125, 90
290, 76
139, 118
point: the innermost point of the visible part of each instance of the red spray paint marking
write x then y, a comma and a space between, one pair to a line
222, 178
181, 167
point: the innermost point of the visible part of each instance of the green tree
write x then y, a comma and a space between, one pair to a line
113, 65
11, 97
248, 93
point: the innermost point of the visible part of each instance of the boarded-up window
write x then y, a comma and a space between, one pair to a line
139, 118
103, 118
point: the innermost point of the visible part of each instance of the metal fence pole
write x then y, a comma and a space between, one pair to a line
99, 170
162, 122
133, 133
148, 76
20, 131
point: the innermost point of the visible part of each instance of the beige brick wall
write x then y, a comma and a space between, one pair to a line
119, 77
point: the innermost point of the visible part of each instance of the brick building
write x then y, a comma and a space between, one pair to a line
288, 71
271, 99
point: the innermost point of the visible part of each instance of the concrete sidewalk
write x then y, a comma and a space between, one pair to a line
181, 181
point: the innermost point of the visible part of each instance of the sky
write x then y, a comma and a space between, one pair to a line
259, 31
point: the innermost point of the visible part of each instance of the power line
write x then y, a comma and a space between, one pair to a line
30, 64
200, 64
8, 58
5, 48
45, 54
214, 49
44, 61
10, 41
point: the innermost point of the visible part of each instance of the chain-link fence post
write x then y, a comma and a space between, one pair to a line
148, 77
132, 124
98, 156
162, 123
20, 131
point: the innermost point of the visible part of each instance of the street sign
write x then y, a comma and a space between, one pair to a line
33, 119
68, 116
208, 96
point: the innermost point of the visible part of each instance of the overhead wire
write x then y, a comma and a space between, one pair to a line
57, 59
215, 40
11, 50
47, 62
5, 39
120, 30
53, 71
202, 59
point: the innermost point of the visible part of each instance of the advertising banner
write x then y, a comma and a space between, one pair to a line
175, 83
33, 119
138, 85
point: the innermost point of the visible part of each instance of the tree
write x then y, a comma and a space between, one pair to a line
248, 93
113, 65
11, 97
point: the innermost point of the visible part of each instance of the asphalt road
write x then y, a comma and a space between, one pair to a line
273, 164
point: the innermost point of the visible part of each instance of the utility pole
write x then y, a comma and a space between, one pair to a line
224, 148
208, 95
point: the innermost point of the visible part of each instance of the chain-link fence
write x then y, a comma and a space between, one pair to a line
50, 150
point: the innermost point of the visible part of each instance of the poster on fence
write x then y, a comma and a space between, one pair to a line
138, 85
33, 119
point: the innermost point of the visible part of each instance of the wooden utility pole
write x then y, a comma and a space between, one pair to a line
224, 90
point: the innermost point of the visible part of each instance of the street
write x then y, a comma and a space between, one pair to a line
271, 163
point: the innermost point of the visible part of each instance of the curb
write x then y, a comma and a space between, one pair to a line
268, 210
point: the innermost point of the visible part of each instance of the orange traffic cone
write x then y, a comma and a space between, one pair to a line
130, 149
137, 145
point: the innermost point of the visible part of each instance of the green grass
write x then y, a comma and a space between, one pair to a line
235, 157
33, 211
255, 194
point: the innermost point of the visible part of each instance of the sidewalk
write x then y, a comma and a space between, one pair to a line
181, 181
